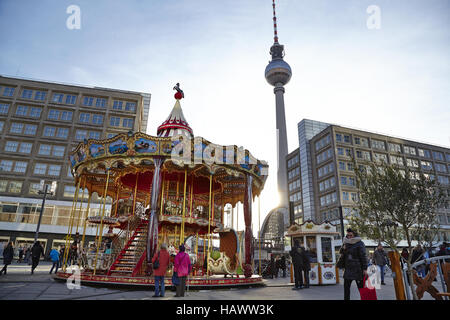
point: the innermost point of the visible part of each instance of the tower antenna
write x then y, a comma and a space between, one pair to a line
275, 33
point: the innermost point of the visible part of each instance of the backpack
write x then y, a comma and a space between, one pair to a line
156, 264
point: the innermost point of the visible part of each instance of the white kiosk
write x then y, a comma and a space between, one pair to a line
318, 239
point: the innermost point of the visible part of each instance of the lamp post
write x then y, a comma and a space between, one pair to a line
45, 192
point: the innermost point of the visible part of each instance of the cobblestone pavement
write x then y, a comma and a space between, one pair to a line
19, 284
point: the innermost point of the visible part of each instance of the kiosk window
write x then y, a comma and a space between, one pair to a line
327, 255
312, 247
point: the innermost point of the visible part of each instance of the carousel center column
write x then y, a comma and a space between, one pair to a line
248, 270
152, 234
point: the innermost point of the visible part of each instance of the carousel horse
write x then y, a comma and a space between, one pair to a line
226, 260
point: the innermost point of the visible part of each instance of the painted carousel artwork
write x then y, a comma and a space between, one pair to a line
156, 196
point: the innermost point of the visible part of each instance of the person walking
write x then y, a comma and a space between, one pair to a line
417, 255
306, 266
61, 255
297, 260
54, 256
182, 266
355, 261
277, 266
283, 265
272, 267
20, 254
27, 255
8, 255
163, 258
36, 251
380, 259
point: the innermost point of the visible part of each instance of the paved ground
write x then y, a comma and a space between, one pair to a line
19, 284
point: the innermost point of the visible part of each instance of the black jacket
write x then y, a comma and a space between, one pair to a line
307, 260
355, 261
37, 250
8, 254
297, 255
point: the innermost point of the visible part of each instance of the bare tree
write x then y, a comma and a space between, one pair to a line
396, 204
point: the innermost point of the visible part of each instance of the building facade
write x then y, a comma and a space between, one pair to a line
40, 123
328, 181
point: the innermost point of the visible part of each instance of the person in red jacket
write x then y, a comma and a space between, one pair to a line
163, 257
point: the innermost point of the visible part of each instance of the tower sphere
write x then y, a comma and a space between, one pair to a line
278, 71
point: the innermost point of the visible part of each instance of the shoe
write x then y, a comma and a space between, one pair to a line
294, 288
383, 283
162, 296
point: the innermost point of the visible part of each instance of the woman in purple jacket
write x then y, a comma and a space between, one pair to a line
182, 266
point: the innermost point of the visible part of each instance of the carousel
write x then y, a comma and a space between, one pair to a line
318, 240
172, 188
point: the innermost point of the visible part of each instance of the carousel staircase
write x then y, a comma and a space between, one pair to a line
131, 254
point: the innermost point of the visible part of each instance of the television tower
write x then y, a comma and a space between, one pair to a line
278, 73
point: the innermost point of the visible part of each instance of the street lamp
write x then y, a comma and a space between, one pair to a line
45, 192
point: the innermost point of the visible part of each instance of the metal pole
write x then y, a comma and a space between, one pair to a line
40, 215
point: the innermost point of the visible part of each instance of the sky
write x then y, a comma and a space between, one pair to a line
394, 79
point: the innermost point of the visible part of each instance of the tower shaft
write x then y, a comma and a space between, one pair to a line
282, 146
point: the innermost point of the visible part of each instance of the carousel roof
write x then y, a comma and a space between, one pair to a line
175, 124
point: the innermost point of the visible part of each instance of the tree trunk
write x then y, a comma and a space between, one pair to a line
409, 273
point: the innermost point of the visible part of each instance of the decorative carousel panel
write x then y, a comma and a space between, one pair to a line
118, 147
165, 147
143, 145
96, 150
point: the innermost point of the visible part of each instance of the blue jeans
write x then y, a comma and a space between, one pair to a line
382, 272
159, 280
55, 264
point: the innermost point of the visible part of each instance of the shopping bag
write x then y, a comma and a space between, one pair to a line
367, 293
175, 279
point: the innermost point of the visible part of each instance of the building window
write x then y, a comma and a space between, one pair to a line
20, 167
6, 165
84, 117
69, 191
344, 181
53, 115
410, 150
30, 129
40, 168
49, 131
350, 166
63, 133
114, 121
338, 137
11, 146
54, 170
2, 124
94, 135
80, 135
440, 167
346, 138
396, 160
3, 185
25, 147
323, 142
321, 157
8, 92
71, 99
340, 151
426, 165
341, 165
130, 106
377, 144
16, 127
412, 163
22, 111
44, 149
4, 108
58, 151
128, 123
326, 169
424, 153
117, 105
97, 119
15, 186
66, 115
345, 196
354, 196
438, 156
100, 103
27, 94
380, 157
35, 112
58, 97
443, 180
40, 95
393, 147
87, 101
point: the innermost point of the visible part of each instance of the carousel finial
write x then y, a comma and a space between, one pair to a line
180, 94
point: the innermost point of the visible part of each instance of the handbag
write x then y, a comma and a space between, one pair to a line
341, 262
367, 293
156, 263
175, 279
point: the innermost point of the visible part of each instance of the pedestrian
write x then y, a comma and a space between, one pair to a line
380, 259
417, 255
277, 266
306, 265
8, 255
272, 266
20, 254
162, 256
28, 255
283, 265
61, 255
297, 260
355, 261
54, 256
182, 266
36, 251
